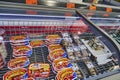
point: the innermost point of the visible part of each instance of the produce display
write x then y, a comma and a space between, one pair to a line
60, 56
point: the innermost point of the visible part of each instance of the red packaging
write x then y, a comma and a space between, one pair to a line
61, 63
19, 62
16, 74
39, 70
66, 74
19, 51
19, 40
54, 46
58, 53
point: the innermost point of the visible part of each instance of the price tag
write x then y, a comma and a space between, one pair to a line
108, 9
31, 2
92, 8
70, 5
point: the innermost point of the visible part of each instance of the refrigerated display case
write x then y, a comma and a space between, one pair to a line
110, 25
92, 54
108, 21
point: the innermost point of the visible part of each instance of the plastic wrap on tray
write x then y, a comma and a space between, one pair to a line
70, 53
77, 52
36, 43
19, 40
28, 78
66, 74
2, 32
2, 47
61, 63
58, 53
84, 51
2, 61
39, 70
54, 46
66, 39
77, 70
19, 51
16, 74
90, 66
19, 62
51, 39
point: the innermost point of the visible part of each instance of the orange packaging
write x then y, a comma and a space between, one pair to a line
54, 46
19, 62
40, 70
59, 64
58, 53
19, 40
20, 51
16, 74
36, 43
66, 74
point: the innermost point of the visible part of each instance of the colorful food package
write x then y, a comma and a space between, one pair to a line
53, 39
2, 47
19, 51
77, 52
16, 74
70, 53
77, 70
59, 64
19, 40
28, 78
2, 61
58, 53
54, 46
66, 74
19, 62
36, 43
2, 32
39, 70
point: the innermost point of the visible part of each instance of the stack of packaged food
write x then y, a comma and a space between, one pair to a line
3, 53
61, 65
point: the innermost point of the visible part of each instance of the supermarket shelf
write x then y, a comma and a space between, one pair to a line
99, 30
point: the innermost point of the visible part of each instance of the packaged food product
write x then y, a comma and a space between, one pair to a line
54, 46
2, 47
16, 74
39, 70
53, 38
49, 59
2, 61
36, 43
70, 53
66, 74
58, 53
59, 64
19, 62
28, 78
2, 32
19, 40
19, 51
